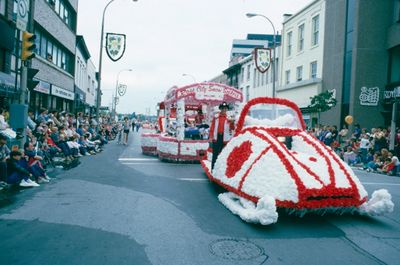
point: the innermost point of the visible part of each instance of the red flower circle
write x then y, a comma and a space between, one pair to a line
237, 157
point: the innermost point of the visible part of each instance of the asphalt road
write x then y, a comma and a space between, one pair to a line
121, 207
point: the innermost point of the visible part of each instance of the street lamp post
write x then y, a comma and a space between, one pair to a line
250, 15
114, 109
101, 60
194, 79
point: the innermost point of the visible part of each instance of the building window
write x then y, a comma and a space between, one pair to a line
300, 45
394, 64
289, 43
313, 69
53, 52
3, 7
64, 11
262, 79
247, 93
287, 77
242, 75
254, 77
49, 55
299, 73
248, 73
315, 30
2, 60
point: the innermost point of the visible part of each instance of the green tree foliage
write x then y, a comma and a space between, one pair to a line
322, 102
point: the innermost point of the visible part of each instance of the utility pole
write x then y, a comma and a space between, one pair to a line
20, 111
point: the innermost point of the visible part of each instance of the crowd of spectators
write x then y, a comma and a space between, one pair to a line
53, 139
366, 149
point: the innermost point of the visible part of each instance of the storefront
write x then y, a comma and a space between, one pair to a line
7, 89
40, 96
61, 99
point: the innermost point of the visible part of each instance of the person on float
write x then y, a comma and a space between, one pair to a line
220, 131
199, 118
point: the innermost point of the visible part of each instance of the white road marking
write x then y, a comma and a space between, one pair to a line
151, 163
376, 183
136, 159
193, 179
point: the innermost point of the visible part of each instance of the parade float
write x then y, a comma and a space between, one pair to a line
272, 162
149, 137
184, 139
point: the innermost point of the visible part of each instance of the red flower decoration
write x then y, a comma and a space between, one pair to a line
237, 157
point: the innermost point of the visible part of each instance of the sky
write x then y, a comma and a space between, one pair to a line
169, 38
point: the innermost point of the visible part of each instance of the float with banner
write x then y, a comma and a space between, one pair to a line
272, 162
184, 125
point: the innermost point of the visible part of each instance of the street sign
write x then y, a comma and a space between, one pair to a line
22, 14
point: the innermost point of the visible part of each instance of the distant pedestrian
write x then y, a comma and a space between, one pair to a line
126, 127
120, 132
133, 125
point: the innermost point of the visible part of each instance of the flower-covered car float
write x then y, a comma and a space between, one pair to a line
271, 161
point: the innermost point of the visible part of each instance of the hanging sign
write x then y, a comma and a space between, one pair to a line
369, 96
115, 45
122, 89
263, 59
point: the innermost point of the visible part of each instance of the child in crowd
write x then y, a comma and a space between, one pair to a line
16, 174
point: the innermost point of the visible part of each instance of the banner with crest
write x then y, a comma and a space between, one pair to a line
122, 89
262, 58
115, 45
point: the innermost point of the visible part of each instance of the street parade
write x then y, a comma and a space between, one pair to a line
199, 132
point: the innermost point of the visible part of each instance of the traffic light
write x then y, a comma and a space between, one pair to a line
28, 46
31, 84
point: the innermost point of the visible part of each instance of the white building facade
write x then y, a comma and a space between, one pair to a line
85, 78
92, 84
302, 55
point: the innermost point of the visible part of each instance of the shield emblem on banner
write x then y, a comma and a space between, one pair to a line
263, 59
122, 89
115, 45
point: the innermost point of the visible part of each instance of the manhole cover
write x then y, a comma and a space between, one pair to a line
235, 249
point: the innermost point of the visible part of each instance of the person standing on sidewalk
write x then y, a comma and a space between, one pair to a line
126, 127
220, 131
4, 153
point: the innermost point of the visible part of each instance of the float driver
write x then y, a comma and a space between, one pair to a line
221, 129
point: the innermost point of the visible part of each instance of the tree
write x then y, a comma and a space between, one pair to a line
322, 102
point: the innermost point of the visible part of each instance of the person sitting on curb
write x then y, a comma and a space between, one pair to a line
17, 174
34, 164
